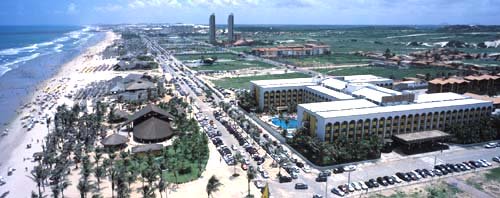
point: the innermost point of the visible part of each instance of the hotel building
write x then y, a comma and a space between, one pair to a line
335, 107
292, 51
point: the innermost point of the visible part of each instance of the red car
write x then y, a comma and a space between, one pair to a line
244, 166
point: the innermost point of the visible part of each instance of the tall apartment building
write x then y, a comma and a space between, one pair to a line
230, 28
211, 31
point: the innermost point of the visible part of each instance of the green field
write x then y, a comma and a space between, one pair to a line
232, 65
244, 82
388, 72
225, 62
336, 59
493, 175
190, 57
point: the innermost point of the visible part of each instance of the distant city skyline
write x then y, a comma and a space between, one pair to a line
331, 12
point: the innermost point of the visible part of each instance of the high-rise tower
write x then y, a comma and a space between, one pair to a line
230, 28
211, 31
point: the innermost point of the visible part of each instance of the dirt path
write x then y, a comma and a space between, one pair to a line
469, 189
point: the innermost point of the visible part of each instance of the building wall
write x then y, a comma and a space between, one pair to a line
284, 96
386, 124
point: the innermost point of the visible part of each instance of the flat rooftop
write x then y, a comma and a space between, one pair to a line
337, 105
330, 92
446, 96
334, 83
399, 108
421, 136
284, 82
365, 78
371, 94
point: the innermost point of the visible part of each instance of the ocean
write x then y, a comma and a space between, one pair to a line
31, 54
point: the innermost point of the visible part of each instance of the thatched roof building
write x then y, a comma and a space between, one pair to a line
151, 125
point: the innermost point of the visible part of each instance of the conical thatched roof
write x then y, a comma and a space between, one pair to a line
114, 140
147, 109
153, 129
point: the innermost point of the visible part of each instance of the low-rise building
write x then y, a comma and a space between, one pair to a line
483, 84
292, 51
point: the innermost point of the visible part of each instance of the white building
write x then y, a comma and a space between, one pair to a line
355, 107
356, 119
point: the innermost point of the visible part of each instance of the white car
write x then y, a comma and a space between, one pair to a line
265, 174
490, 145
485, 162
363, 185
356, 186
350, 168
260, 169
306, 169
259, 184
397, 179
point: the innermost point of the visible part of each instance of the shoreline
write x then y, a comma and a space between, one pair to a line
49, 92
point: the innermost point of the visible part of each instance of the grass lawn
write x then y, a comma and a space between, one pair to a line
183, 178
244, 82
440, 190
337, 59
233, 65
185, 57
386, 71
493, 175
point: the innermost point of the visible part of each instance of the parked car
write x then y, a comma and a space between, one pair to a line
301, 186
317, 196
496, 159
306, 169
350, 168
321, 179
338, 170
285, 179
259, 184
403, 176
338, 192
265, 174
485, 162
389, 180
490, 145
382, 181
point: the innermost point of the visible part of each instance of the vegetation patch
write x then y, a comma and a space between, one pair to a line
340, 151
493, 175
331, 59
389, 72
232, 65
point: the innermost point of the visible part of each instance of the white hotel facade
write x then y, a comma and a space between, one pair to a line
357, 106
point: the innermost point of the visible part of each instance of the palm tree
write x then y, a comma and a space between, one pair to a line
38, 175
237, 158
99, 173
250, 175
84, 187
213, 185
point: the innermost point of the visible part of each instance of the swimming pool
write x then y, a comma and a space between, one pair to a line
292, 123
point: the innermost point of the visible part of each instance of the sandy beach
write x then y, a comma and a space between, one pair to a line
43, 102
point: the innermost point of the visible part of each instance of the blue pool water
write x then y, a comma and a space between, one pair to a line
292, 123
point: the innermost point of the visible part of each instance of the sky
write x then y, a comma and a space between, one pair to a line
340, 12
